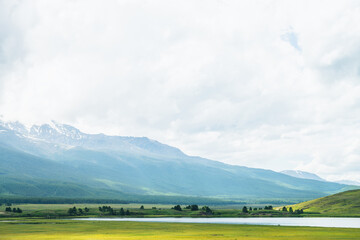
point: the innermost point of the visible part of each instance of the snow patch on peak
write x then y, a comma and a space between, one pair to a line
15, 126
55, 130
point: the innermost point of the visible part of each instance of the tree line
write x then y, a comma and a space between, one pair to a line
194, 207
297, 211
104, 209
14, 210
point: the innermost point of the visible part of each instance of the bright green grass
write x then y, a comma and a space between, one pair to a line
64, 229
340, 204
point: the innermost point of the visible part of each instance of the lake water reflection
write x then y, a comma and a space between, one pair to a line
311, 222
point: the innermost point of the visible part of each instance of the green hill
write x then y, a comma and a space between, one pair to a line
340, 204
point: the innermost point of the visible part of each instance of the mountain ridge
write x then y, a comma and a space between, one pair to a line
302, 174
142, 166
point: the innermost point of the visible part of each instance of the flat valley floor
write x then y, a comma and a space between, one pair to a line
40, 229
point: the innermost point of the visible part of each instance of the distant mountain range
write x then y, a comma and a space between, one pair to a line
58, 160
307, 175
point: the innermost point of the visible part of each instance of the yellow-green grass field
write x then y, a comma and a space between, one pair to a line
91, 230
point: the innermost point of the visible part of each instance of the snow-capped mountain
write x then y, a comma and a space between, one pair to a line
54, 136
53, 159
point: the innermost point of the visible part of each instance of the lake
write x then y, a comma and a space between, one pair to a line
310, 222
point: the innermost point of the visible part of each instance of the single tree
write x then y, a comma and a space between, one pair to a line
122, 212
291, 210
245, 210
72, 211
142, 207
284, 209
111, 211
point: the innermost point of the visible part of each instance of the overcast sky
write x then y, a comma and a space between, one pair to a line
268, 84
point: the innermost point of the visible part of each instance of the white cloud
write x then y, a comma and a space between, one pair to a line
258, 83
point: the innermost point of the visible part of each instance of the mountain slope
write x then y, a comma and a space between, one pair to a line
302, 174
56, 152
341, 203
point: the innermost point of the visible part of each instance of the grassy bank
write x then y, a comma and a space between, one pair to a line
340, 204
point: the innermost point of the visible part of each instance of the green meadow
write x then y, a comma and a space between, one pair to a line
66, 229
340, 204
41, 221
149, 210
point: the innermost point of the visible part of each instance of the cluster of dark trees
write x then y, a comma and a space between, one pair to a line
192, 207
77, 211
15, 210
177, 208
297, 211
207, 210
284, 209
106, 209
111, 211
246, 210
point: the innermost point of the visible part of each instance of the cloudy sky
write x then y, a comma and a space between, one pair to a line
269, 84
